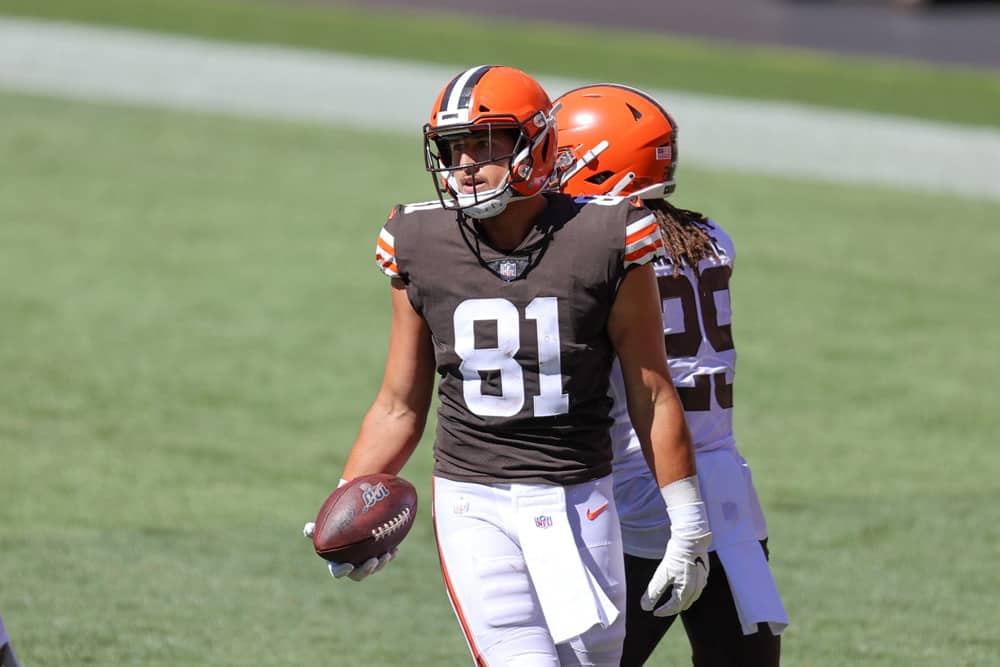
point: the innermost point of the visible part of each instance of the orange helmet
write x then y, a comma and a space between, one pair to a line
615, 140
492, 98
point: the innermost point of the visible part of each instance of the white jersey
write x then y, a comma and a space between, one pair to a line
702, 359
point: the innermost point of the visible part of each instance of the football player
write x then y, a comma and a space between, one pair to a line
618, 140
520, 300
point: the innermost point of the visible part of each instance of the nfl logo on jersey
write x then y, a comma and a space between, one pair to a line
510, 268
543, 521
507, 270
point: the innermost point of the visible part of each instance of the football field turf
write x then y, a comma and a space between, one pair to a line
192, 327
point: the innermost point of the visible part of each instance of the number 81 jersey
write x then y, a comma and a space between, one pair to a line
520, 337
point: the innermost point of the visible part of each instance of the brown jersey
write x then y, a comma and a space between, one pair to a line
520, 338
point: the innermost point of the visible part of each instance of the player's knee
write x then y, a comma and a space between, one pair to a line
607, 650
598, 647
524, 647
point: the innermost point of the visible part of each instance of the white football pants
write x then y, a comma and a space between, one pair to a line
535, 572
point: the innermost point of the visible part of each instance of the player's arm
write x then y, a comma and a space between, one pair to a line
395, 421
636, 330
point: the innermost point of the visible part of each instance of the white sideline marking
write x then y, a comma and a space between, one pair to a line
103, 64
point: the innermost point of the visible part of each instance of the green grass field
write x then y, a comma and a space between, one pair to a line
192, 328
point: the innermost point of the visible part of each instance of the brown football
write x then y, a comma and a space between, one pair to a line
365, 518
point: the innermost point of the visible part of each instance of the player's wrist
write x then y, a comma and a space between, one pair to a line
684, 491
687, 511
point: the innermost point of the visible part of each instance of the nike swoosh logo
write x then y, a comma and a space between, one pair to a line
593, 514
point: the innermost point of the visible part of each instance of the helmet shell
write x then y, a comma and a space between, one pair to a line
500, 97
640, 136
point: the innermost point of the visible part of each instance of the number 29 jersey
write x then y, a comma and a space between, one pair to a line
700, 351
520, 337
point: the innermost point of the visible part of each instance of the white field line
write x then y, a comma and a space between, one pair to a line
91, 63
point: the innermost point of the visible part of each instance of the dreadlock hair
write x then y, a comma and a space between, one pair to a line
687, 237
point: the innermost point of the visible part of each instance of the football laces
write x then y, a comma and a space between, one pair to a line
392, 525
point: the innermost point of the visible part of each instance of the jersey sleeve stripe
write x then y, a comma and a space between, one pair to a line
636, 231
643, 241
632, 257
387, 265
385, 254
386, 237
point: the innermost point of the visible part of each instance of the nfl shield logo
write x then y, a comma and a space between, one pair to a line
543, 521
507, 270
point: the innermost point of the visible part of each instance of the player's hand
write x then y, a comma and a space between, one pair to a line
355, 573
683, 572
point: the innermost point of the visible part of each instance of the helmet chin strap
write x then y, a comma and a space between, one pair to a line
482, 205
486, 209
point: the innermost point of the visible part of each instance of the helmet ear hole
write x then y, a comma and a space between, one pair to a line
599, 178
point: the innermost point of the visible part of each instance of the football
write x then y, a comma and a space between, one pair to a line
365, 518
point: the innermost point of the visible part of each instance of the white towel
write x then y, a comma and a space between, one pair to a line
754, 591
572, 600
733, 512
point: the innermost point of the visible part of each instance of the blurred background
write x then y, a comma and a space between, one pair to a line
191, 326
936, 31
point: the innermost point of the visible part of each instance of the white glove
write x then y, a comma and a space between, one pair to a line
684, 568
356, 573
